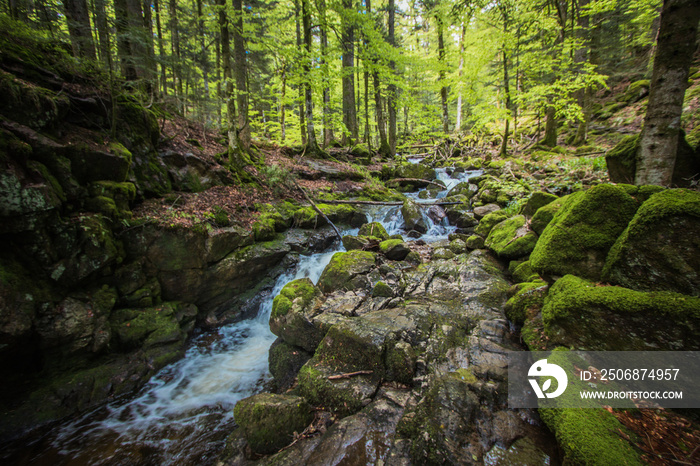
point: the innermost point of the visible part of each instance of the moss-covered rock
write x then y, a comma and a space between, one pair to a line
285, 360
490, 221
413, 217
545, 214
610, 318
269, 421
523, 273
373, 229
578, 238
364, 243
442, 254
394, 249
475, 242
511, 238
482, 211
660, 249
415, 170
345, 270
308, 217
498, 191
526, 302
343, 397
535, 202
147, 327
464, 188
382, 290
292, 310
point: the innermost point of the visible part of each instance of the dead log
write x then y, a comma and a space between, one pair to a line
414, 180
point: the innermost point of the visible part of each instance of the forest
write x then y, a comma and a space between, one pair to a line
397, 232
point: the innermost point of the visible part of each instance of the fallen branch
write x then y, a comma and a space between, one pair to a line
348, 375
414, 180
337, 232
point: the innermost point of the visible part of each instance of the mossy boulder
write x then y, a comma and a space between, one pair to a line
308, 217
364, 243
464, 188
122, 194
511, 238
382, 290
535, 202
269, 421
291, 315
343, 397
660, 249
373, 229
346, 270
415, 170
578, 238
413, 217
482, 211
285, 360
526, 302
523, 273
90, 164
154, 326
622, 161
475, 242
545, 214
394, 249
490, 221
610, 318
498, 191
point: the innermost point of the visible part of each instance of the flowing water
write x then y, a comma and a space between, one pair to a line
182, 416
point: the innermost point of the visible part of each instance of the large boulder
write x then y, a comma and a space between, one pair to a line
346, 271
375, 229
292, 312
545, 214
415, 170
413, 217
489, 221
511, 238
578, 238
660, 249
269, 421
536, 201
579, 314
622, 161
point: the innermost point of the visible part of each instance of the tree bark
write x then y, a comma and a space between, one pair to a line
241, 72
161, 49
312, 144
126, 58
391, 94
302, 111
327, 126
103, 33
175, 38
550, 128
458, 123
443, 89
348, 71
675, 47
78, 19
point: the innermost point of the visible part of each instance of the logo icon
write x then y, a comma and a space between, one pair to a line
543, 369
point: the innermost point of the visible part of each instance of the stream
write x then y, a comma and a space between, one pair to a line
184, 413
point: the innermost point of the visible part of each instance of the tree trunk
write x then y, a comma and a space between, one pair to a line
675, 47
443, 89
241, 71
550, 128
78, 19
150, 67
302, 111
391, 94
233, 148
327, 126
283, 108
312, 144
348, 72
506, 87
126, 58
458, 124
175, 38
103, 33
161, 49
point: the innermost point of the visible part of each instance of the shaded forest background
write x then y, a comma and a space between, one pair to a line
322, 72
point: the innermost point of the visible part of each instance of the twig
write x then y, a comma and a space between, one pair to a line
337, 232
347, 375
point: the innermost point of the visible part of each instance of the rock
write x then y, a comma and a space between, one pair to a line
285, 361
490, 221
579, 314
332, 171
415, 170
154, 326
364, 243
482, 211
457, 246
436, 214
524, 273
497, 191
545, 214
308, 217
464, 188
345, 271
536, 201
269, 421
475, 242
413, 217
526, 302
394, 249
344, 396
511, 238
442, 254
622, 161
522, 452
291, 315
382, 290
89, 164
373, 229
660, 249
578, 238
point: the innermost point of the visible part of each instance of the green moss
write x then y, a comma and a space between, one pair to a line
103, 205
614, 318
320, 391
343, 267
489, 221
536, 201
385, 246
579, 236
545, 214
302, 288
147, 327
524, 273
475, 242
621, 160
373, 229
382, 290
526, 302
511, 238
46, 174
